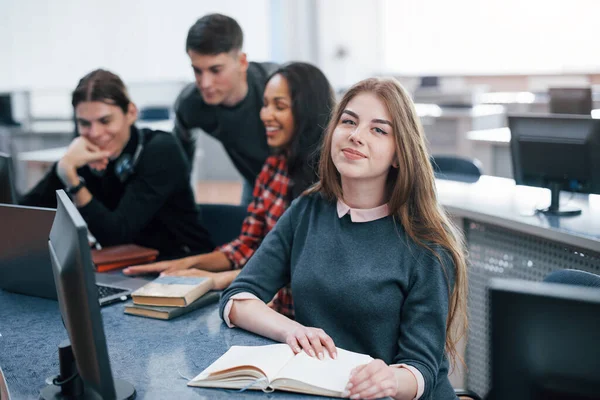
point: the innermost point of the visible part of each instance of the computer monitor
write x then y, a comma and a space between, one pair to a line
6, 111
544, 341
8, 194
558, 152
78, 300
429, 82
570, 100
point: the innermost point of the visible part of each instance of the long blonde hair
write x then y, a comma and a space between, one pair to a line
411, 191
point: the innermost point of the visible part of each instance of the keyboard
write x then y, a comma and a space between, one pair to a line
106, 291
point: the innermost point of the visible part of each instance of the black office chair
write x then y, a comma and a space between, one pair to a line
467, 394
223, 221
155, 113
457, 168
573, 277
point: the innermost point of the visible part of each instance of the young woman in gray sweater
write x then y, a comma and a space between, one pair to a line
375, 265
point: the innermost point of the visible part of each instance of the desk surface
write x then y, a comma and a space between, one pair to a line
436, 111
500, 202
495, 135
151, 354
43, 156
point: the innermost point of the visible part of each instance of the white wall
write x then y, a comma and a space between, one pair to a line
294, 30
48, 45
354, 26
52, 44
490, 37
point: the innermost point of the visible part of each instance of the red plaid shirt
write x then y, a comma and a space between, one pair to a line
269, 202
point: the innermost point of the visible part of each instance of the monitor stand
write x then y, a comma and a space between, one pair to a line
69, 385
123, 389
554, 208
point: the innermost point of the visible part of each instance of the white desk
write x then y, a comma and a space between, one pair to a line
43, 156
492, 148
39, 162
506, 239
446, 127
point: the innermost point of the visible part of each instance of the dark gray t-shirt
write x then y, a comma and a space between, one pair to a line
367, 285
238, 128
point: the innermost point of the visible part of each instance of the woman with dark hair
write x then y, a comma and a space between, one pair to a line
297, 102
130, 185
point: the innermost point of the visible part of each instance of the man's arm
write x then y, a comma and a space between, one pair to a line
182, 129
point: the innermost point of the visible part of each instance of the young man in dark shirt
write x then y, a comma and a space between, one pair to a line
226, 99
130, 185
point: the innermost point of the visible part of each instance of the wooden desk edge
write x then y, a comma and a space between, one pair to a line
4, 394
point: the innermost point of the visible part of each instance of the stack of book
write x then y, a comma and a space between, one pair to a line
168, 297
121, 256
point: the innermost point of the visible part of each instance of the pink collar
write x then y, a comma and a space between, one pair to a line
362, 215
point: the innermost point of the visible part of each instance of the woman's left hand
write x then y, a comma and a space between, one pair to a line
372, 381
216, 276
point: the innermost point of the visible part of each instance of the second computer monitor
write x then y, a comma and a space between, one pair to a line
558, 152
570, 100
544, 341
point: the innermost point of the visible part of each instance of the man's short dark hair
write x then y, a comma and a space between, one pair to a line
214, 34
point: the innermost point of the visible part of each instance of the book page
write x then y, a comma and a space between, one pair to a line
270, 359
328, 373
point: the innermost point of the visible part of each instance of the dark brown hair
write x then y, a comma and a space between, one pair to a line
214, 34
104, 86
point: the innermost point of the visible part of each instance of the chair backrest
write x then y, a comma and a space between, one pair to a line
154, 113
222, 221
573, 277
456, 168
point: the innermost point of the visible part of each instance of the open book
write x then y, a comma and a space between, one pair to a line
276, 367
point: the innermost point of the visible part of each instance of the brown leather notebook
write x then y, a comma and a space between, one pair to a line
125, 255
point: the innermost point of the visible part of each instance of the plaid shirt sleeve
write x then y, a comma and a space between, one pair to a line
283, 302
268, 204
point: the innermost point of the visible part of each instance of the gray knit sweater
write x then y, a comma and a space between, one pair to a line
367, 285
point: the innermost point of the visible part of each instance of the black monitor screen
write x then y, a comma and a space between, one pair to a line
6, 113
570, 100
7, 189
78, 299
429, 82
544, 341
563, 150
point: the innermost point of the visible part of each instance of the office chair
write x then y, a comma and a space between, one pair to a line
466, 394
573, 277
154, 113
222, 221
457, 168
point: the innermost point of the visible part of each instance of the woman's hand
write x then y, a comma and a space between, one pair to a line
163, 266
312, 341
377, 379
